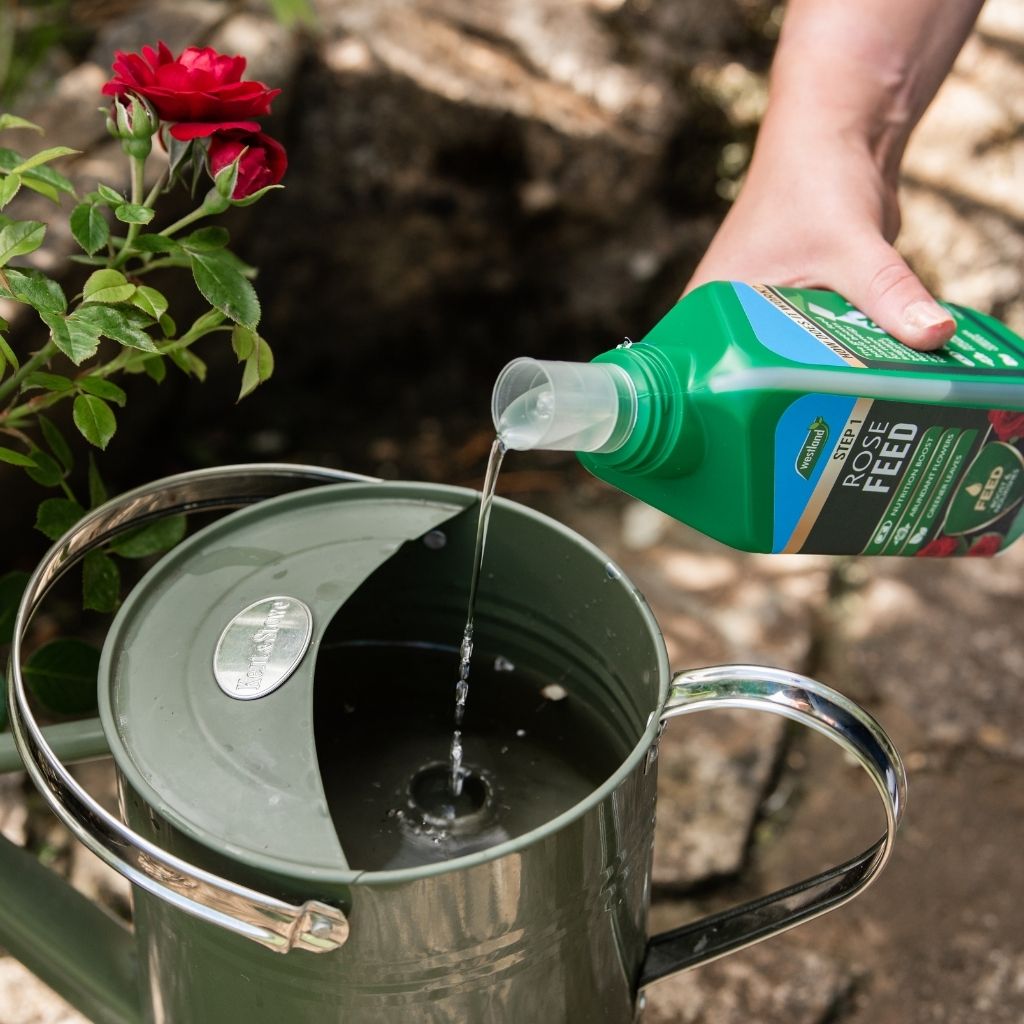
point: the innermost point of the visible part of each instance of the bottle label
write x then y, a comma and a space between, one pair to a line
873, 477
822, 328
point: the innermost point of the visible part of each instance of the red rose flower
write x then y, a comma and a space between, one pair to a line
201, 89
941, 547
1007, 423
986, 545
263, 162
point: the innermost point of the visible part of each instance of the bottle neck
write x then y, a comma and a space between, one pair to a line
627, 411
665, 439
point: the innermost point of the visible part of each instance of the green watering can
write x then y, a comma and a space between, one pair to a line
246, 908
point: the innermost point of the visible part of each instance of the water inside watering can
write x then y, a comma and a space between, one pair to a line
537, 748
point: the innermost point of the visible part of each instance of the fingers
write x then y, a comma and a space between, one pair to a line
892, 295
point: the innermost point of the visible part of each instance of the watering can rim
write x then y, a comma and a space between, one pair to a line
405, 491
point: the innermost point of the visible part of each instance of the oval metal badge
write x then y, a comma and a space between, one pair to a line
262, 646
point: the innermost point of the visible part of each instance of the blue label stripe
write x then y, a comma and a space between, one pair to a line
781, 335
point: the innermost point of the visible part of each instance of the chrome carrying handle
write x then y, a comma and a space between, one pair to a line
821, 708
280, 926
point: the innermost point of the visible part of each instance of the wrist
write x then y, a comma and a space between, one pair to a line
807, 118
865, 72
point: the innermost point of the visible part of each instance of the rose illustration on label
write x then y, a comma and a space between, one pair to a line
1007, 424
987, 545
941, 547
991, 487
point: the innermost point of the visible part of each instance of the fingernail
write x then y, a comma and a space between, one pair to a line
925, 316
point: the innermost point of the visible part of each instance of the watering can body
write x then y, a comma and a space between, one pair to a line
553, 932
245, 906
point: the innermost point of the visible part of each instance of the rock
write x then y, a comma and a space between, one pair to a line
769, 982
643, 526
271, 51
179, 23
935, 938
964, 213
937, 643
716, 606
712, 773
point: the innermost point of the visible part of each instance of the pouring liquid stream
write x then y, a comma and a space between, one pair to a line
536, 749
458, 773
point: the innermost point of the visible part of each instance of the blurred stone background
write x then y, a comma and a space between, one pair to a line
475, 181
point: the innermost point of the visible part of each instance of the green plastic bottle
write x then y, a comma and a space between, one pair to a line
783, 419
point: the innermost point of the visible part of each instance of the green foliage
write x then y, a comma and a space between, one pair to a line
97, 488
119, 327
13, 458
107, 286
33, 288
12, 585
62, 675
89, 227
13, 121
117, 305
151, 539
39, 177
44, 470
56, 443
19, 238
101, 582
255, 356
7, 354
95, 419
150, 301
55, 516
133, 213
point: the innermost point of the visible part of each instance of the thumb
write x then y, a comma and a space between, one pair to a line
892, 295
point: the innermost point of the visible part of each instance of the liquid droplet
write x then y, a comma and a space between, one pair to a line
502, 664
435, 540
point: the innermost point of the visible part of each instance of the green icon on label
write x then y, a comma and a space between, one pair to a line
813, 446
992, 486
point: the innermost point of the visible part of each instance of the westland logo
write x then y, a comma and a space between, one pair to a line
813, 446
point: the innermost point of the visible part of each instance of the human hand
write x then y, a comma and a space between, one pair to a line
818, 212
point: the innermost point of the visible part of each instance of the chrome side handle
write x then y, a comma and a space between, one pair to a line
823, 709
274, 923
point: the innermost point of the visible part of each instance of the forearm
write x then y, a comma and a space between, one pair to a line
866, 70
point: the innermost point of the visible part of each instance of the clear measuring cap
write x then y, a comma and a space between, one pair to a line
561, 406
